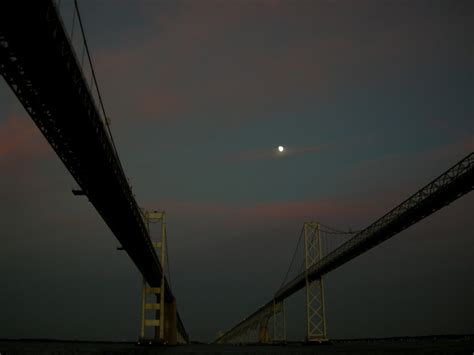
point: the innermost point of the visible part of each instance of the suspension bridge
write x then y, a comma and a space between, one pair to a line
51, 72
449, 186
58, 88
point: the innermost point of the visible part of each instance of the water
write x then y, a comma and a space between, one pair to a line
461, 345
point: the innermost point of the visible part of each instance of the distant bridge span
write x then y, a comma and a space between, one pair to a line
449, 186
40, 66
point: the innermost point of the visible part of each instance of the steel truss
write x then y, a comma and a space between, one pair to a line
157, 307
279, 322
315, 311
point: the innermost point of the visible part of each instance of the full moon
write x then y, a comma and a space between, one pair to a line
281, 148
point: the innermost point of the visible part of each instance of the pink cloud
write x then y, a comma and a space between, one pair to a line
450, 153
327, 210
272, 153
142, 95
363, 209
307, 149
64, 218
155, 67
288, 210
157, 103
24, 160
19, 137
254, 155
159, 77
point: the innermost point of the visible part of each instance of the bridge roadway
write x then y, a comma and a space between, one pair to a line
41, 67
449, 186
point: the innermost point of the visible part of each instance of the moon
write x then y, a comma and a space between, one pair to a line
281, 148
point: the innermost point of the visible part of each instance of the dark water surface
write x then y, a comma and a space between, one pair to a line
443, 346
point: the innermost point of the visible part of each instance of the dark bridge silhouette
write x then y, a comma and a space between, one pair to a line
41, 67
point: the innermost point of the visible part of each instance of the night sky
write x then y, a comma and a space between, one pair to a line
373, 99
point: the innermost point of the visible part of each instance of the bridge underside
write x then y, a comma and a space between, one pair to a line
39, 64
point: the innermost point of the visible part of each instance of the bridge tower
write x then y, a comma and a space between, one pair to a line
279, 322
163, 314
263, 336
315, 312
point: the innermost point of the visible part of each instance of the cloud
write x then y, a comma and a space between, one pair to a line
307, 149
229, 62
20, 139
263, 154
157, 103
329, 210
455, 150
362, 209
446, 154
191, 68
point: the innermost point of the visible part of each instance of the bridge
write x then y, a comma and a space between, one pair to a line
60, 93
449, 186
39, 64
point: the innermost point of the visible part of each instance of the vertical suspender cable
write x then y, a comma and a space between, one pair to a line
73, 23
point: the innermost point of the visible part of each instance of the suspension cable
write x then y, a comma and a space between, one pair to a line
73, 23
325, 229
93, 76
95, 81
332, 230
292, 259
168, 264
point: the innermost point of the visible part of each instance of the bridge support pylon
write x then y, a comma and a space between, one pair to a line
163, 318
279, 322
315, 312
263, 337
